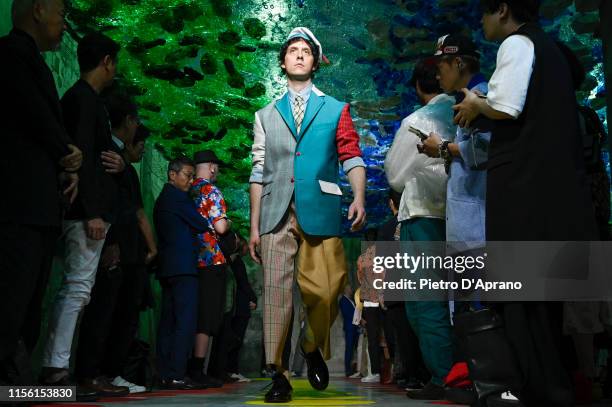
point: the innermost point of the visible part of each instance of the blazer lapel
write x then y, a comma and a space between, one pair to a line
315, 103
284, 108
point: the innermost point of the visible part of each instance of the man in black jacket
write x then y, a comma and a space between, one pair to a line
117, 293
43, 162
91, 215
535, 185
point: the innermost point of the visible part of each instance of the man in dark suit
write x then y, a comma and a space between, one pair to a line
116, 293
37, 151
176, 221
88, 220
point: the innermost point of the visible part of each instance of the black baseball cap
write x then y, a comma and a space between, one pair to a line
206, 156
456, 45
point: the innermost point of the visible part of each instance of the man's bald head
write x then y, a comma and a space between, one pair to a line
42, 19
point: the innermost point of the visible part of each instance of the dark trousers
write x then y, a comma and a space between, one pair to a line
26, 255
239, 326
125, 319
373, 318
407, 343
351, 335
533, 331
217, 366
177, 325
97, 321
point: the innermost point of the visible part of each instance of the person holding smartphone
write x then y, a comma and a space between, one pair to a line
422, 211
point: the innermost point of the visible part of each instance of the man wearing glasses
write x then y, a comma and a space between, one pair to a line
176, 220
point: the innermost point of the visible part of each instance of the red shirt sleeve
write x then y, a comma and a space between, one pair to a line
347, 139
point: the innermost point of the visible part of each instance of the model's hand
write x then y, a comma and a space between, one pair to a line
431, 145
72, 161
467, 110
96, 229
70, 183
112, 161
357, 213
253, 245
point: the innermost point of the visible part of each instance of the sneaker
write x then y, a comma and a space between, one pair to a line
355, 375
508, 396
134, 388
372, 378
240, 378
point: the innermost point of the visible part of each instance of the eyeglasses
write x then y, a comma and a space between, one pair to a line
189, 175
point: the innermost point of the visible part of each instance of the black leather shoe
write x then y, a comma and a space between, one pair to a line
184, 384
429, 392
51, 376
280, 391
318, 375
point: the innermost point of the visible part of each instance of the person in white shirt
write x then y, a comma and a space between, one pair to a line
422, 181
535, 184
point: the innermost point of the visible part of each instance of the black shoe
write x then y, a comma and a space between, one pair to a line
184, 384
412, 385
318, 375
429, 392
466, 396
280, 391
51, 376
209, 381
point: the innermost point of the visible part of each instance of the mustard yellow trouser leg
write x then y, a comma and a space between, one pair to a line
322, 272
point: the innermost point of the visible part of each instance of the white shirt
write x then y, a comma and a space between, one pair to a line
510, 81
421, 179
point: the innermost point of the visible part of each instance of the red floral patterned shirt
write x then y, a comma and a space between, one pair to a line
211, 205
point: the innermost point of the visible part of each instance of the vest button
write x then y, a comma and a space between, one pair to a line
292, 180
298, 154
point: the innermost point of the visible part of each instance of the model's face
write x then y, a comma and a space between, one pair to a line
299, 61
448, 75
182, 179
50, 17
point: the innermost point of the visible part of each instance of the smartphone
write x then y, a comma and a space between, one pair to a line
418, 132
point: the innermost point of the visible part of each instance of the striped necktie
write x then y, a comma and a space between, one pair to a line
298, 111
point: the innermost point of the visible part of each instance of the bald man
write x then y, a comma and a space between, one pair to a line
38, 162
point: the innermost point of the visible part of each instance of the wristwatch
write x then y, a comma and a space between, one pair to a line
443, 148
445, 154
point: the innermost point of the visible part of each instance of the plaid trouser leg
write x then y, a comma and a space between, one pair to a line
278, 252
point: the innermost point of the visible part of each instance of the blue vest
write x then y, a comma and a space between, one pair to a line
295, 163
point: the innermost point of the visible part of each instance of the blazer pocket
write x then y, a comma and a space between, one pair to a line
330, 188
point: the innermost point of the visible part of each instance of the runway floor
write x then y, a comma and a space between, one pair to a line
341, 392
